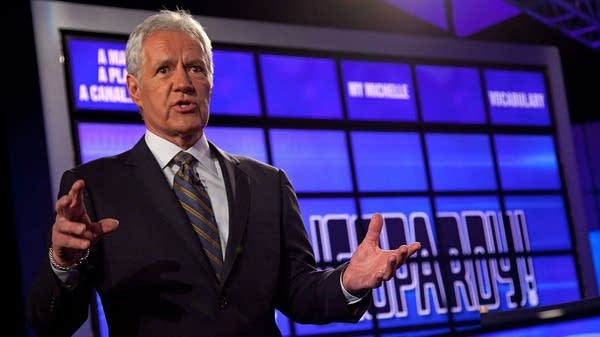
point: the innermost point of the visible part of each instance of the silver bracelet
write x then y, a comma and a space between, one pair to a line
67, 268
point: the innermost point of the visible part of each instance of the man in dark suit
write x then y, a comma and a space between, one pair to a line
124, 228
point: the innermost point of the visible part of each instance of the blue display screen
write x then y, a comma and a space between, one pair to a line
302, 87
411, 141
315, 160
235, 90
517, 97
460, 162
243, 141
450, 94
555, 279
98, 75
594, 237
378, 91
546, 219
387, 161
527, 162
98, 140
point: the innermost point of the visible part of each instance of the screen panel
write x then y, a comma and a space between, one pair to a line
97, 74
450, 94
546, 220
235, 90
517, 97
378, 90
527, 162
555, 279
460, 162
387, 161
243, 141
299, 86
315, 160
98, 140
481, 201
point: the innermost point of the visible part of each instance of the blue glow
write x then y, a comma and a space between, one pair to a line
302, 87
460, 162
283, 323
546, 218
417, 333
556, 279
450, 94
102, 325
98, 140
244, 141
321, 330
594, 237
316, 161
527, 162
583, 327
235, 90
98, 74
517, 97
379, 91
388, 161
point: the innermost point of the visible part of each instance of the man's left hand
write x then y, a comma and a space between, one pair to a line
370, 265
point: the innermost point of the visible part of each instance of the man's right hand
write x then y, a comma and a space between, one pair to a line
73, 232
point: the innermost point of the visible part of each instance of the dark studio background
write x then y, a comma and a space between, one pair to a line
23, 137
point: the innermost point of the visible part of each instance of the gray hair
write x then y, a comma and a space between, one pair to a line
173, 20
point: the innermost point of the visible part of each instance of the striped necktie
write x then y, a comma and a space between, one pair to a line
195, 201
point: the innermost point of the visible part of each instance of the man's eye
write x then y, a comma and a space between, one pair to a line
162, 70
197, 69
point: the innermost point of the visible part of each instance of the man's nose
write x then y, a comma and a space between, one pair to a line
182, 80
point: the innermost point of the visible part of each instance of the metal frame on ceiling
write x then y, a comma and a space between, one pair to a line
577, 19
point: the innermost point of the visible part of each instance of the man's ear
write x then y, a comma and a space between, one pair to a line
134, 90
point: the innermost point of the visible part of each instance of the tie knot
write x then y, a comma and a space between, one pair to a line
183, 158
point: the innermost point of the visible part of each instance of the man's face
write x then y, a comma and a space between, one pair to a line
173, 89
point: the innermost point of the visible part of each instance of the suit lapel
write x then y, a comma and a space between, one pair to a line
238, 198
157, 192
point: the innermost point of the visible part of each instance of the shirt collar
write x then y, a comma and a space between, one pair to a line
164, 151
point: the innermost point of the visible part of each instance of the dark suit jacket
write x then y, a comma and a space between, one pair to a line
153, 277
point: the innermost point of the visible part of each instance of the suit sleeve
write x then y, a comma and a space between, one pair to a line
51, 308
309, 295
